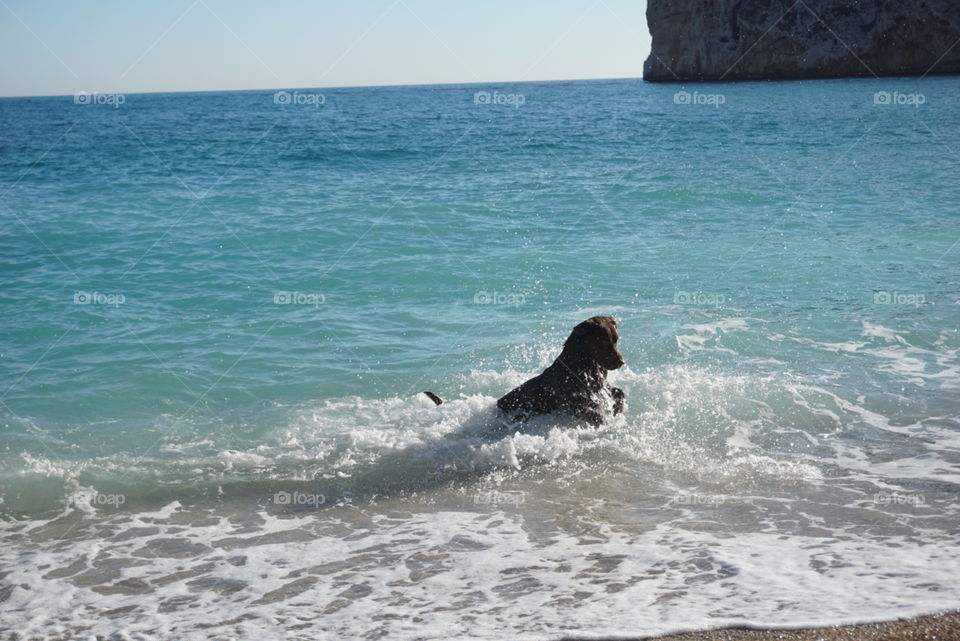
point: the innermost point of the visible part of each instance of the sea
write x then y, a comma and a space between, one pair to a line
219, 311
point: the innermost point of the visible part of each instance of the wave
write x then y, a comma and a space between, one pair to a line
685, 419
700, 422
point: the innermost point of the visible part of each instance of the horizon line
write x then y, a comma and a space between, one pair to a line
289, 88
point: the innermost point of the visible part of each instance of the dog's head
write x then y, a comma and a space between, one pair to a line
595, 339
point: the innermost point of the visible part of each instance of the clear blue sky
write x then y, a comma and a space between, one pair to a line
64, 46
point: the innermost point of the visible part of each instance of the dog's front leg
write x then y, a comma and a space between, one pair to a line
619, 399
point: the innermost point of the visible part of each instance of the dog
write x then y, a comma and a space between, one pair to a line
575, 381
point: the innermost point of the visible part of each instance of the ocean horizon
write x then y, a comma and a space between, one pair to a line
221, 310
478, 83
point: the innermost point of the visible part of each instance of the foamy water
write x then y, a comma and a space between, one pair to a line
422, 522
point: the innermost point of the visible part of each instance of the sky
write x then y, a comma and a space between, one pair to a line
60, 47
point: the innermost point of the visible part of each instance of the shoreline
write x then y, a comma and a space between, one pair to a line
935, 627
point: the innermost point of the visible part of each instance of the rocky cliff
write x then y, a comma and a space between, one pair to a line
758, 39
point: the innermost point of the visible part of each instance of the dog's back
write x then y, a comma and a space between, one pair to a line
539, 395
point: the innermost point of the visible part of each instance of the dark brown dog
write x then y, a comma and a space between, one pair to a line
574, 382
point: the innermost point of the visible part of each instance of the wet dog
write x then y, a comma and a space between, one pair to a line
576, 381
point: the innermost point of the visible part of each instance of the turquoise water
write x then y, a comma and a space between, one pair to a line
211, 298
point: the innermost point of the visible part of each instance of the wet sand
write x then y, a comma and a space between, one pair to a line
941, 627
